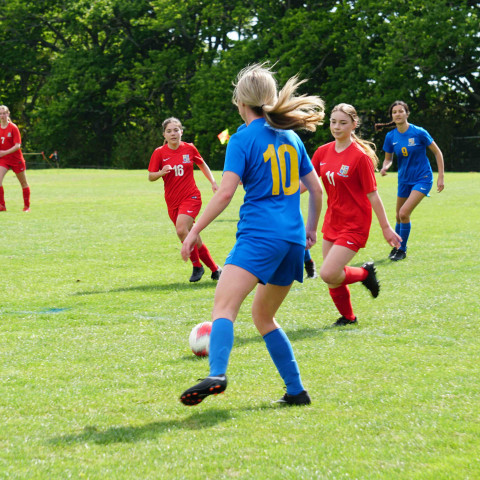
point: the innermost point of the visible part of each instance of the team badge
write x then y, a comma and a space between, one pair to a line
9, 134
186, 158
411, 142
343, 172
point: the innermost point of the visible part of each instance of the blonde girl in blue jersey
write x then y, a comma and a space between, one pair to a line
269, 159
415, 177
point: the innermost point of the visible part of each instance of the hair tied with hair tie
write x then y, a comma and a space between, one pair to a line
263, 104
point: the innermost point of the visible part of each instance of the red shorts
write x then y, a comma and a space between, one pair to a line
15, 165
350, 240
189, 206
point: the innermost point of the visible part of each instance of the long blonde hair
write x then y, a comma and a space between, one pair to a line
256, 87
368, 147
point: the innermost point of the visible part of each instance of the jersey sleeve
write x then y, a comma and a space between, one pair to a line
17, 138
387, 144
426, 138
305, 163
366, 172
317, 156
155, 161
235, 157
196, 157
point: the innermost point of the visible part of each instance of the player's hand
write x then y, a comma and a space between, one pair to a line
392, 237
311, 239
440, 184
188, 245
214, 187
383, 172
166, 169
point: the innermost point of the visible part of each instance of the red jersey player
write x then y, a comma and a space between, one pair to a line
11, 157
173, 162
347, 167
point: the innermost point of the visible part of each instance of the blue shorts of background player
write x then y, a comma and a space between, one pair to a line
273, 261
404, 189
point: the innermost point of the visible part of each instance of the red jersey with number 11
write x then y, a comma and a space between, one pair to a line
347, 176
180, 182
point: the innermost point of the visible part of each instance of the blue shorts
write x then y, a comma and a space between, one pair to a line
271, 260
404, 189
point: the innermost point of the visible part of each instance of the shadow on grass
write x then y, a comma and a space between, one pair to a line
293, 335
154, 288
137, 433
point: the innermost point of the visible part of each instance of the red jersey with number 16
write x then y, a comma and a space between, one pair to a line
180, 182
347, 176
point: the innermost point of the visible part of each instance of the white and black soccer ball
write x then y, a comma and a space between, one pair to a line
199, 339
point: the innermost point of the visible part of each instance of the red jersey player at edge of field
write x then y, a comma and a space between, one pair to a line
346, 167
173, 162
11, 157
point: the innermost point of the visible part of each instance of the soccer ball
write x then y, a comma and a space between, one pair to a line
199, 339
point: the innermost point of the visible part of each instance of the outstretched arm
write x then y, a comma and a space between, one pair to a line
389, 233
215, 207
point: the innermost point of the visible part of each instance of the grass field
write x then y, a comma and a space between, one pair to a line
96, 309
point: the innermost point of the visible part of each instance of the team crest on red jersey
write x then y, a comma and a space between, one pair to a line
186, 158
343, 172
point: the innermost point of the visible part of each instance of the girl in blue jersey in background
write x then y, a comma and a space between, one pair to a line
269, 159
415, 178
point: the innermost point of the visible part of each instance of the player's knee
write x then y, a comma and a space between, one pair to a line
182, 232
403, 216
329, 276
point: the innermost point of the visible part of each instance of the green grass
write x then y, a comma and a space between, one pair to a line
96, 309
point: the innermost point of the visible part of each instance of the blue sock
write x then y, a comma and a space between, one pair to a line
397, 228
404, 233
308, 256
280, 350
221, 344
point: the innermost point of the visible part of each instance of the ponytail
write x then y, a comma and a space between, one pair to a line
391, 124
380, 126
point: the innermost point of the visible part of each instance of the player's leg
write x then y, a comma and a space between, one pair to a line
183, 224
335, 258
268, 299
22, 178
266, 302
405, 207
234, 285
3, 172
400, 201
208, 260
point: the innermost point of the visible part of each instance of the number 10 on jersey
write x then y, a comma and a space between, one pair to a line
278, 165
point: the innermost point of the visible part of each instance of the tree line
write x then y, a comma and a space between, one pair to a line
94, 79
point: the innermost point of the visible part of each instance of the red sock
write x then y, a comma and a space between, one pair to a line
194, 257
354, 274
26, 196
207, 258
341, 299
2, 196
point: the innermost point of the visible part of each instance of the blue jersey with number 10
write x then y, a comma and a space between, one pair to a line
410, 148
270, 163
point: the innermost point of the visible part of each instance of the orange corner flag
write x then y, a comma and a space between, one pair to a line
224, 137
